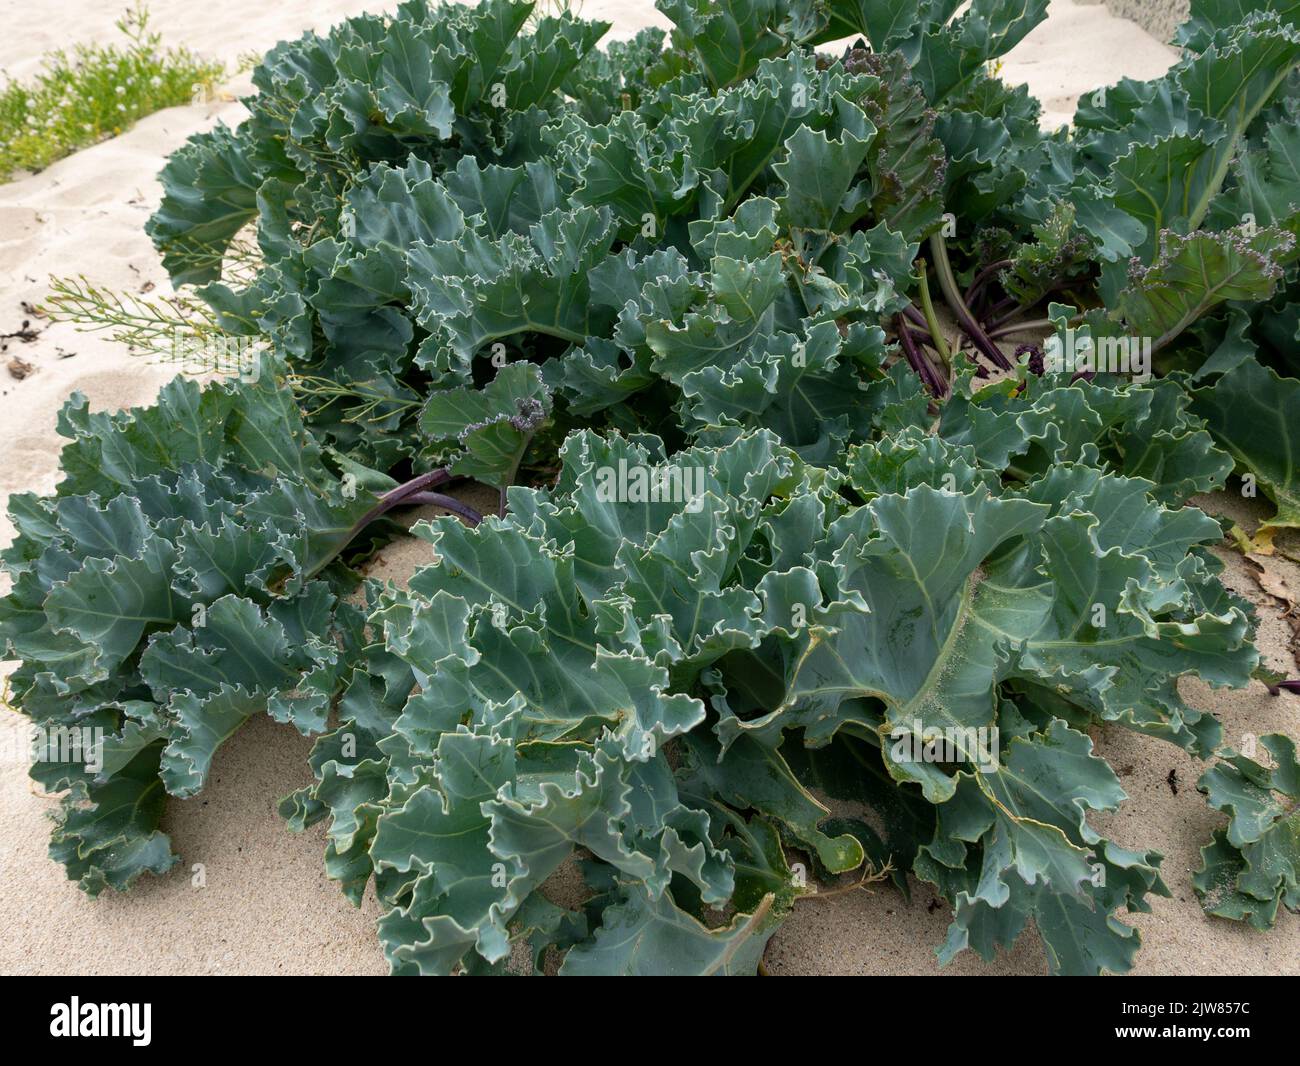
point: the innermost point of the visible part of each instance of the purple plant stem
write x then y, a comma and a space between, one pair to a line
919, 327
948, 284
395, 497
916, 318
390, 499
916, 359
418, 484
447, 503
1009, 309
1031, 325
1288, 686
1001, 312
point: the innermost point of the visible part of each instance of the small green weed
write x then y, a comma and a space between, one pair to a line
94, 92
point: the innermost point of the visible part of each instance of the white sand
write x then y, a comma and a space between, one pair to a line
267, 907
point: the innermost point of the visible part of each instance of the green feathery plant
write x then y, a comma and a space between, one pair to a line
82, 96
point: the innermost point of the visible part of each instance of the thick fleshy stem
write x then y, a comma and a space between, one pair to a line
400, 495
937, 374
917, 323
1002, 316
920, 329
1032, 326
447, 503
948, 285
932, 326
1281, 686
916, 358
1000, 313
916, 318
392, 498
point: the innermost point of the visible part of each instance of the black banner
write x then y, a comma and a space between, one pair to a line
145, 1015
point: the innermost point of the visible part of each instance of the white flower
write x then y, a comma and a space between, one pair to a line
121, 107
155, 81
121, 90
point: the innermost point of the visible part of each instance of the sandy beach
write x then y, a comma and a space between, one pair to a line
266, 905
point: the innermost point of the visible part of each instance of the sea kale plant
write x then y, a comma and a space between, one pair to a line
797, 571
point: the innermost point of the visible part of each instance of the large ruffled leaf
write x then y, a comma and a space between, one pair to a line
1018, 846
107, 835
1254, 416
474, 291
1252, 868
491, 426
210, 194
1192, 275
644, 937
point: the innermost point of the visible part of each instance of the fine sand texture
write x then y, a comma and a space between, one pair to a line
250, 897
